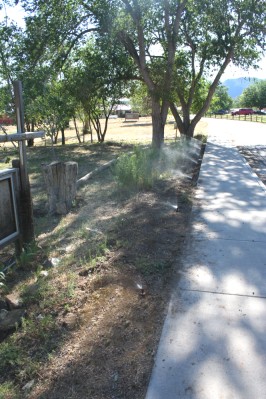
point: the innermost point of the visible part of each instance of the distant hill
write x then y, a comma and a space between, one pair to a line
236, 86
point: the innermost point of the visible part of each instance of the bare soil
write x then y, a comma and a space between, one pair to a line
112, 329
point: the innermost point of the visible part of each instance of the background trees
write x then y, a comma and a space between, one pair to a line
221, 99
254, 95
96, 82
194, 40
175, 47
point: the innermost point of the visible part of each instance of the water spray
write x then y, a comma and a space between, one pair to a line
141, 289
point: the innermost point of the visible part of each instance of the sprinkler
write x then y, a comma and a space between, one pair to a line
142, 291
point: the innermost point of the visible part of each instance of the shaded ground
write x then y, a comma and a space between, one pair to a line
256, 157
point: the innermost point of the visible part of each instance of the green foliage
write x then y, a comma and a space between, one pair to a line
194, 40
138, 170
8, 391
140, 99
27, 256
147, 268
10, 355
254, 95
38, 329
94, 82
221, 99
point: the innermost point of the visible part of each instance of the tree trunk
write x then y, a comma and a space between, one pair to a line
63, 136
185, 126
159, 115
76, 129
61, 184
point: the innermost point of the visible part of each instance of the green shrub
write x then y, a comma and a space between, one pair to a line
8, 391
138, 170
10, 355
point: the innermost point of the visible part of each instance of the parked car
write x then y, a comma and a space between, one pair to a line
220, 112
243, 111
259, 112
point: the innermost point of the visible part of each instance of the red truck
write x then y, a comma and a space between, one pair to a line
5, 120
243, 111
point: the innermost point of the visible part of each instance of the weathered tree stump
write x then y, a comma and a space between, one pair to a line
61, 185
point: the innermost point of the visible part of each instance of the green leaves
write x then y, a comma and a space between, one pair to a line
254, 95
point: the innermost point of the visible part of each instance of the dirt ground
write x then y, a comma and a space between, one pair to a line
107, 314
256, 158
114, 324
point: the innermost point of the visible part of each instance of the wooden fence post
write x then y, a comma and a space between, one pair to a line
25, 194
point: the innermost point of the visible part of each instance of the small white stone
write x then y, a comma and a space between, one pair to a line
55, 261
44, 273
28, 386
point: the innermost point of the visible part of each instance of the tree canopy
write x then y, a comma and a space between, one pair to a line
254, 95
174, 46
221, 99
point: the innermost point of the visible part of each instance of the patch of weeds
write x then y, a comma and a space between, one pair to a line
36, 292
11, 356
201, 137
149, 267
98, 252
8, 391
82, 232
38, 329
26, 257
23, 353
184, 198
138, 170
71, 285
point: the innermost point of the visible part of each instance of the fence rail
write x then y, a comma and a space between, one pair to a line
250, 118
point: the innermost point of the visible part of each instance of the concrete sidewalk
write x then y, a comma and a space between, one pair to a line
213, 344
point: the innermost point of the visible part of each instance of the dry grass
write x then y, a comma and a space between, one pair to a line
121, 132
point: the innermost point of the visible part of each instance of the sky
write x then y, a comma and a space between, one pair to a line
232, 72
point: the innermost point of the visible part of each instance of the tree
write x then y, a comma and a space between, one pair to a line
254, 95
221, 99
140, 99
95, 82
174, 45
11, 38
195, 38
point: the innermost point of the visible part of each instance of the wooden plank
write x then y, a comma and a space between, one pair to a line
21, 136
